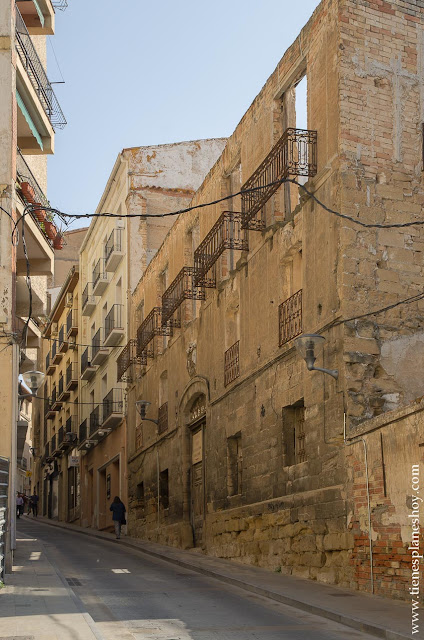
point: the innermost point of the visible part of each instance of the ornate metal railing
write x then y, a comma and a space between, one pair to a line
226, 233
163, 418
113, 319
112, 403
290, 318
126, 358
37, 75
114, 243
94, 419
182, 288
232, 363
295, 154
149, 328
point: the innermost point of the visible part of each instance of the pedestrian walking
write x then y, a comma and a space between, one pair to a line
34, 504
118, 515
19, 505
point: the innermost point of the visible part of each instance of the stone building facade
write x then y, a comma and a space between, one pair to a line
242, 451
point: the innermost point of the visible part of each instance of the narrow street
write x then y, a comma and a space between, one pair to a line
131, 596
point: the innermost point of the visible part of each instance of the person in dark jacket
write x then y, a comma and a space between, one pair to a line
118, 510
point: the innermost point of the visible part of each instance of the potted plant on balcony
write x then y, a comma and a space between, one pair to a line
58, 241
28, 192
49, 227
39, 213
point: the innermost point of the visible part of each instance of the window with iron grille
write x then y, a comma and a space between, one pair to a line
290, 318
294, 434
231, 363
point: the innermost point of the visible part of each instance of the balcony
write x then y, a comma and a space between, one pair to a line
149, 328
63, 392
39, 113
82, 434
99, 352
295, 154
72, 323
231, 363
38, 16
56, 354
182, 288
127, 358
113, 409
63, 343
49, 412
71, 377
88, 300
290, 318
56, 403
47, 451
227, 233
50, 367
100, 278
87, 368
55, 450
68, 435
163, 418
114, 326
94, 420
113, 250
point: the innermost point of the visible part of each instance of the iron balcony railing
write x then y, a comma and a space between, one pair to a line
47, 360
54, 349
94, 419
82, 434
290, 318
37, 75
54, 396
114, 243
63, 344
226, 233
47, 450
61, 386
53, 444
149, 328
113, 402
126, 358
114, 319
96, 342
232, 363
25, 175
71, 430
85, 360
295, 154
71, 373
182, 288
99, 271
72, 323
163, 418
60, 436
87, 295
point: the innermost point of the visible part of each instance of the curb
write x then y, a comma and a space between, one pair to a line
346, 620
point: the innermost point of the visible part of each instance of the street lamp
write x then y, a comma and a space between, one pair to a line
33, 380
142, 406
309, 345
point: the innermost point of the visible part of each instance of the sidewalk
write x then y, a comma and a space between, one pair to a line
37, 604
378, 616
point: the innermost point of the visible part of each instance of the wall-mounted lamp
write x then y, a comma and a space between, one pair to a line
33, 380
310, 345
142, 406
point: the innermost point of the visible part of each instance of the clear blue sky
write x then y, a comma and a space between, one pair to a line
143, 73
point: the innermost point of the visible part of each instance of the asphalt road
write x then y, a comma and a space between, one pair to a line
132, 596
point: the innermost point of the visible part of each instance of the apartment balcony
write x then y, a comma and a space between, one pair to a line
88, 370
99, 352
112, 409
39, 112
38, 16
39, 246
68, 434
56, 354
94, 420
88, 300
113, 250
226, 233
295, 154
49, 412
100, 278
50, 367
152, 326
82, 434
56, 403
63, 343
163, 418
114, 326
232, 363
47, 451
71, 377
126, 359
290, 318
72, 323
55, 450
182, 288
63, 393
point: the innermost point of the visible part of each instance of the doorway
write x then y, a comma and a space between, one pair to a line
197, 484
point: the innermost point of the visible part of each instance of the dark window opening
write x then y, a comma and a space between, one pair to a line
294, 434
140, 494
164, 489
234, 465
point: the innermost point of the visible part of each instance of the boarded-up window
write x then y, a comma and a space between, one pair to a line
294, 434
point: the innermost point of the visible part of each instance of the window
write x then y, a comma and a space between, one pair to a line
164, 489
234, 465
294, 434
140, 494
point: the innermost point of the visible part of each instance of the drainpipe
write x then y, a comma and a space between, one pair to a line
348, 444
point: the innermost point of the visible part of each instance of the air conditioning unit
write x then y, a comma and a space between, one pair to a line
69, 299
72, 343
54, 328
